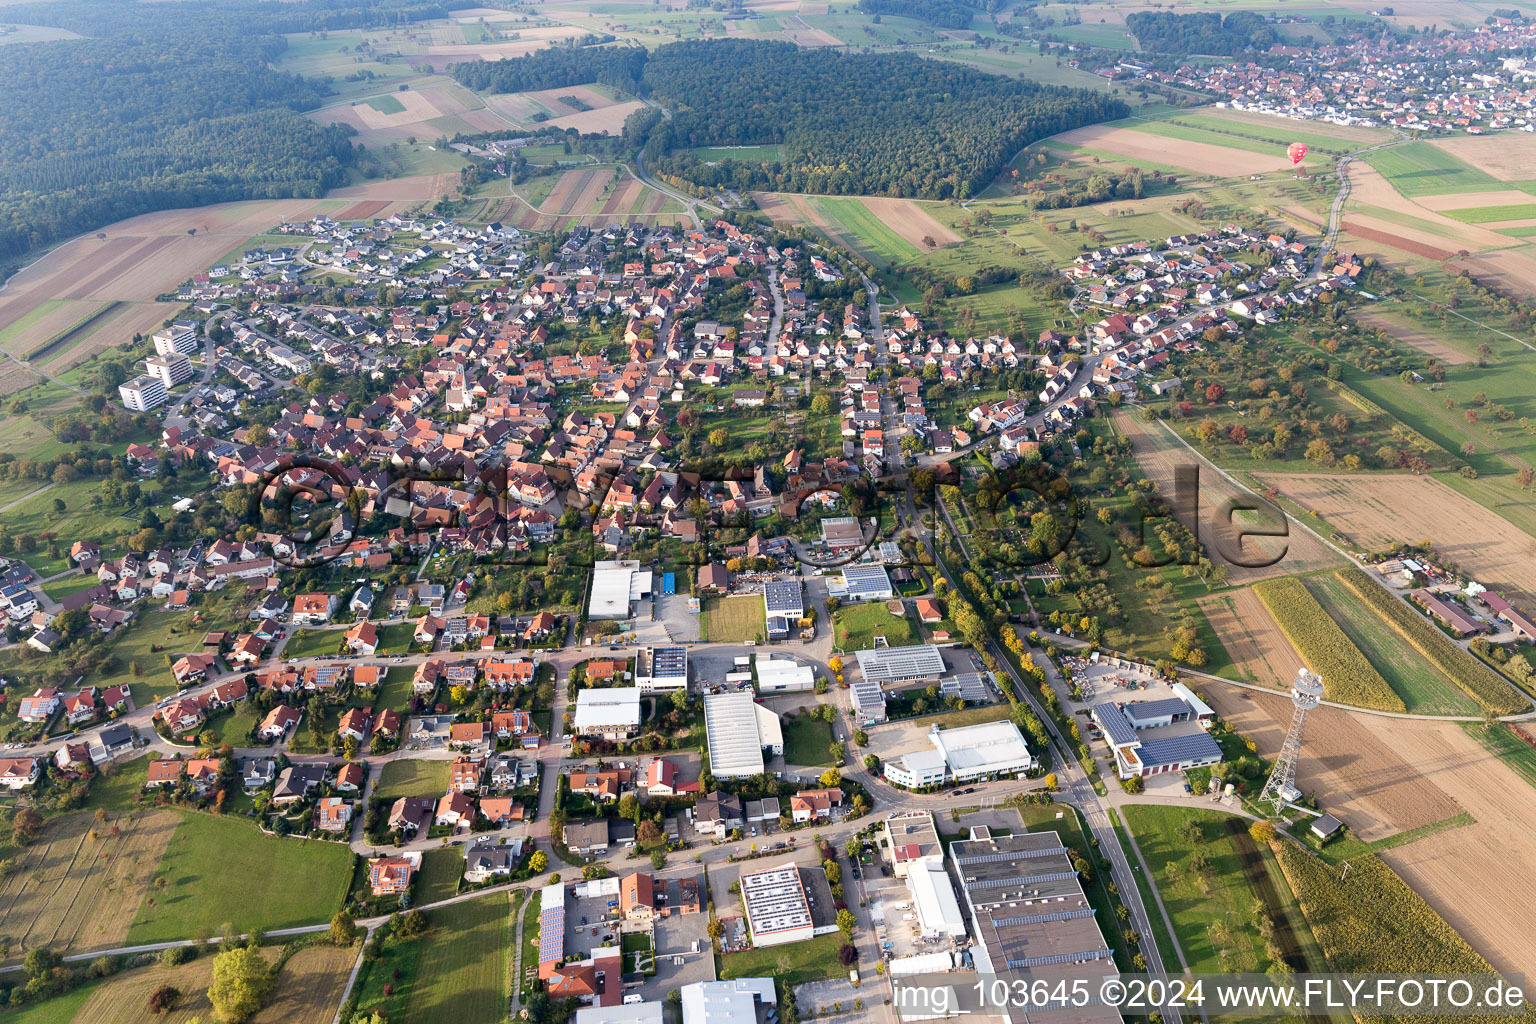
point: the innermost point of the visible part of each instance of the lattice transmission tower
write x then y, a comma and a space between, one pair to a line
1306, 694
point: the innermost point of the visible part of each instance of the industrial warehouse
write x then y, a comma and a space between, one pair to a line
1182, 742
973, 753
777, 908
901, 664
1031, 920
739, 729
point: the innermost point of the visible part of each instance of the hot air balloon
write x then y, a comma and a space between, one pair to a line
1297, 151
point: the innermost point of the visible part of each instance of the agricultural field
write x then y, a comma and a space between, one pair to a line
1371, 922
131, 262
408, 777
1385, 777
595, 196
1235, 886
1383, 510
217, 869
1423, 169
1504, 742
1420, 684
1254, 642
734, 618
1480, 683
70, 891
1348, 676
857, 625
1220, 157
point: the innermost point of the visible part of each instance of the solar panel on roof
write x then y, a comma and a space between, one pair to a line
783, 598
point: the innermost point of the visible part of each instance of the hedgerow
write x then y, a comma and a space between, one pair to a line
1348, 677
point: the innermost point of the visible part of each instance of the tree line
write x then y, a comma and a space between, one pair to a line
940, 13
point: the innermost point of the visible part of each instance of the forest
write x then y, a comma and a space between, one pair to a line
940, 13
164, 105
556, 67
1163, 32
866, 124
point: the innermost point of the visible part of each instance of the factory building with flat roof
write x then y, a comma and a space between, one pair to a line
1031, 921
778, 910
616, 586
901, 664
738, 730
661, 669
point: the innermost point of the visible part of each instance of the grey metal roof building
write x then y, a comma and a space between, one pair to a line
1136, 754
901, 664
1029, 915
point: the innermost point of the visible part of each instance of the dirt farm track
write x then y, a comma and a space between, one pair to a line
1383, 776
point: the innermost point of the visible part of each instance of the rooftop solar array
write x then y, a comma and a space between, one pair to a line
783, 599
898, 664
967, 686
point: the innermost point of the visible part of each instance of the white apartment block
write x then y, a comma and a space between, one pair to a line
175, 341
143, 393
170, 370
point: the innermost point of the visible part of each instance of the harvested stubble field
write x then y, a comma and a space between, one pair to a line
609, 120
309, 986
1259, 651
1196, 157
1508, 156
1159, 454
1413, 337
71, 892
1383, 776
1383, 510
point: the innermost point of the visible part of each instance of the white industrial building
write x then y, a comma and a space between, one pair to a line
934, 900
968, 754
782, 675
616, 586
739, 729
726, 1002
863, 583
917, 770
143, 393
777, 908
985, 751
612, 711
661, 669
901, 664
